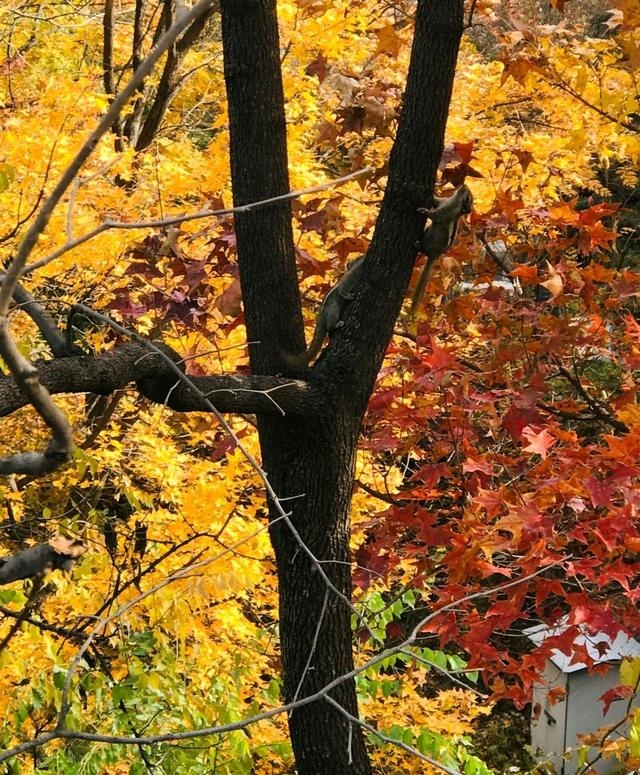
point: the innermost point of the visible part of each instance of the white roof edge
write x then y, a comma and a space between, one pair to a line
599, 646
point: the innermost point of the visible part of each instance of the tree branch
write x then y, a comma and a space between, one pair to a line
133, 363
205, 212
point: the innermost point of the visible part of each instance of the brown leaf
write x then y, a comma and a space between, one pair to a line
318, 67
230, 301
555, 283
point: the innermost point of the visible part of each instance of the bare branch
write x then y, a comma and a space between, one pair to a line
205, 212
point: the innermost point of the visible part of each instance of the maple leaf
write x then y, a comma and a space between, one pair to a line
464, 151
625, 286
507, 206
327, 217
596, 212
523, 412
609, 530
519, 68
555, 283
522, 522
318, 67
630, 415
556, 694
230, 300
615, 694
309, 265
326, 132
527, 273
595, 237
457, 175
389, 42
457, 153
477, 464
313, 7
195, 272
540, 441
440, 359
631, 53
524, 157
564, 213
348, 245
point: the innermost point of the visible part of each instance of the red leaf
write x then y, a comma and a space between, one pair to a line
613, 695
539, 441
477, 464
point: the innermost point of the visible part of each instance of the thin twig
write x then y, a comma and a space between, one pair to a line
204, 212
391, 740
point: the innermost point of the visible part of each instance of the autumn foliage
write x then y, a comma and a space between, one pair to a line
502, 441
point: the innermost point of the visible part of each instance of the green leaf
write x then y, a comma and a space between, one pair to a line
59, 676
122, 692
7, 176
10, 596
425, 743
389, 688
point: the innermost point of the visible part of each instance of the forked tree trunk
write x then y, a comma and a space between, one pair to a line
309, 460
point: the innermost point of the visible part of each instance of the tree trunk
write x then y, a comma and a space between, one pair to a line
309, 460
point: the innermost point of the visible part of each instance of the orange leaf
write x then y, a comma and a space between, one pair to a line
554, 284
528, 274
389, 42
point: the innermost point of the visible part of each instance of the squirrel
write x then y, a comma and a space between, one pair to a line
440, 234
330, 315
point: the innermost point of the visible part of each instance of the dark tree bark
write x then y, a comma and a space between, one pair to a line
309, 460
